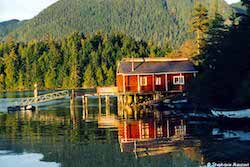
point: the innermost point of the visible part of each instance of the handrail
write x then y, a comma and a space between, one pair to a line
44, 98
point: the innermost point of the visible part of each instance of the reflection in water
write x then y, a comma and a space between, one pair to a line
154, 137
73, 135
232, 134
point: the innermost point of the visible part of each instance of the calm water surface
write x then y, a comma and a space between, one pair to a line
58, 134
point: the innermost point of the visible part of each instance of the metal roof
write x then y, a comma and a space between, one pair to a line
154, 66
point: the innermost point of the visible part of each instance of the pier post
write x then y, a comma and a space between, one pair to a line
120, 105
135, 107
125, 100
72, 110
155, 96
135, 113
135, 99
35, 91
86, 106
168, 130
107, 99
36, 95
100, 104
83, 108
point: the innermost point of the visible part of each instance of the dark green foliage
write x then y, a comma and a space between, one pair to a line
155, 20
7, 26
199, 24
225, 66
75, 61
246, 3
239, 8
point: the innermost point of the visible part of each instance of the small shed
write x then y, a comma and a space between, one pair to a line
149, 75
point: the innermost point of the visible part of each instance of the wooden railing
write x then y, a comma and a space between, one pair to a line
111, 90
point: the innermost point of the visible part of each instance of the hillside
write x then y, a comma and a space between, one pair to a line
7, 26
156, 20
239, 8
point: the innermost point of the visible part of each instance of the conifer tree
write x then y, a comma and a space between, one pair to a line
110, 77
2, 83
213, 41
199, 25
225, 69
50, 79
99, 76
10, 69
20, 82
89, 80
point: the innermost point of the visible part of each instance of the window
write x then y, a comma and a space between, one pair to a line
145, 130
179, 80
143, 81
158, 81
159, 131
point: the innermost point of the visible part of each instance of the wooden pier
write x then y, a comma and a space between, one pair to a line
100, 92
128, 104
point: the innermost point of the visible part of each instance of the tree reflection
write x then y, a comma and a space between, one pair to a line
69, 136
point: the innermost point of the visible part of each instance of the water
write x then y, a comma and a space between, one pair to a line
60, 135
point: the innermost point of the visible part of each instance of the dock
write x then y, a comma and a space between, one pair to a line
44, 98
27, 103
129, 103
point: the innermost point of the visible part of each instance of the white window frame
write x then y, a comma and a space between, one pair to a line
158, 81
143, 81
179, 80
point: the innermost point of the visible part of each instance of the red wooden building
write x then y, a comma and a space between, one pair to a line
148, 75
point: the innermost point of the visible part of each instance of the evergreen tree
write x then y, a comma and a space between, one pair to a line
68, 63
2, 80
225, 69
74, 70
110, 77
213, 39
2, 83
199, 25
50, 79
135, 18
10, 69
89, 80
20, 82
99, 77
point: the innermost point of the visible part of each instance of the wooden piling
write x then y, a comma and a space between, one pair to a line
107, 99
135, 113
100, 104
83, 108
168, 130
135, 99
72, 111
86, 106
35, 92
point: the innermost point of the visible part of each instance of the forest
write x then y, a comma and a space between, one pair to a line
220, 50
224, 64
155, 20
73, 62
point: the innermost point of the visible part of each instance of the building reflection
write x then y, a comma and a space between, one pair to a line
152, 129
149, 132
145, 133
157, 134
